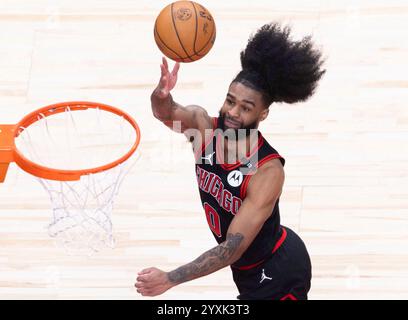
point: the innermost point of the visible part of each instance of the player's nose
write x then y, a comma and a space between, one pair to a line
234, 112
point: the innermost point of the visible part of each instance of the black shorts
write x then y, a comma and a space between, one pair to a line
286, 274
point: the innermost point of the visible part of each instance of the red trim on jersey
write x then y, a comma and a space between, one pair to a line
248, 177
275, 248
232, 166
251, 266
289, 297
206, 142
244, 186
280, 241
267, 158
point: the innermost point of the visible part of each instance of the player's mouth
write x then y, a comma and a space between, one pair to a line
231, 123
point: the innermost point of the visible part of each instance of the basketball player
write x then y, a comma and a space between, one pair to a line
241, 197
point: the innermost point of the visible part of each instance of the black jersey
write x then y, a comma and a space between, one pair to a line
223, 189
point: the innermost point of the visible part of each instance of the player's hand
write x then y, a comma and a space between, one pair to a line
152, 282
168, 79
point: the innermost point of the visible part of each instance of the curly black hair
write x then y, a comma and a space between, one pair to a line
280, 69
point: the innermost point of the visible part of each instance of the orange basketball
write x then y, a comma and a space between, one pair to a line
184, 31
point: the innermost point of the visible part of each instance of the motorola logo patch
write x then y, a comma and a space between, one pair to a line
235, 178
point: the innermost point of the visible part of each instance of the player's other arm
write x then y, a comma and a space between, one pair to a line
263, 191
168, 111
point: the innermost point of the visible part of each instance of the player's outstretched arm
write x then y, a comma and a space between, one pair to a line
153, 281
263, 191
168, 111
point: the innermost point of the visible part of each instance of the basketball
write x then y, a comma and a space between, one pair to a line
184, 31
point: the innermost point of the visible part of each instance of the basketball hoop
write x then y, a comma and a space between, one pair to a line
80, 153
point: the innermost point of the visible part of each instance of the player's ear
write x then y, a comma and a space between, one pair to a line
264, 114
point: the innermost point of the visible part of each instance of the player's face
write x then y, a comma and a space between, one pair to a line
243, 108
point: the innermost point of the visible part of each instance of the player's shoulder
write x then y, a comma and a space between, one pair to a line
267, 182
270, 172
273, 166
201, 116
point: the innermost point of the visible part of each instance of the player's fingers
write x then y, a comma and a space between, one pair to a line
176, 69
166, 65
142, 278
163, 70
146, 293
163, 82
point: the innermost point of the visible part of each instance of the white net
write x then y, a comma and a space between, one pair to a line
76, 140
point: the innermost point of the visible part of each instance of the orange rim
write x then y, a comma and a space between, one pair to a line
9, 152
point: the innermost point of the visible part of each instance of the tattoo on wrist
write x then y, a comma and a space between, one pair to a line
212, 260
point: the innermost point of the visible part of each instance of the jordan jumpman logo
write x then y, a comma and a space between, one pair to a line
264, 277
209, 158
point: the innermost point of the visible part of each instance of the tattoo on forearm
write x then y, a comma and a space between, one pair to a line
212, 260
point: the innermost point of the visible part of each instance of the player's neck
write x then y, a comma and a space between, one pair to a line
235, 150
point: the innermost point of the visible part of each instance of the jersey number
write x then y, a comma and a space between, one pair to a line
213, 219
